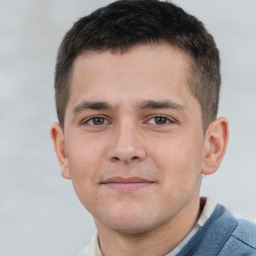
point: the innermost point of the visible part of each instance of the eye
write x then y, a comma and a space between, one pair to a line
98, 120
159, 120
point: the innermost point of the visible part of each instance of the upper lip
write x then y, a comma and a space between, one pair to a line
118, 179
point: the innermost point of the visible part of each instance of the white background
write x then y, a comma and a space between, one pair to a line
39, 212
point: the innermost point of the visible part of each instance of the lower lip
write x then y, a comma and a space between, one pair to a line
128, 187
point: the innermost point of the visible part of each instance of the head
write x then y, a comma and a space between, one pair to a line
137, 86
124, 24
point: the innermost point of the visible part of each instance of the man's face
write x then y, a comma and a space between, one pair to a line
133, 137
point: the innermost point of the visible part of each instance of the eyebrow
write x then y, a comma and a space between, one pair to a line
152, 104
93, 105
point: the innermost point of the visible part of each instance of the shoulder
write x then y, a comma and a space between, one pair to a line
246, 232
223, 235
242, 241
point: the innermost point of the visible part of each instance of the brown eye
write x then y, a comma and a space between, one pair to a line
97, 121
160, 120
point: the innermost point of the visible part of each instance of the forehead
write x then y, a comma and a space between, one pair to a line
150, 67
146, 54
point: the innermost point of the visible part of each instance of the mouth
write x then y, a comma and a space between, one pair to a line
127, 184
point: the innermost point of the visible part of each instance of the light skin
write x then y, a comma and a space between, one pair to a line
134, 147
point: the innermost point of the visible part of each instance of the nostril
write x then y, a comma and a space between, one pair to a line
115, 158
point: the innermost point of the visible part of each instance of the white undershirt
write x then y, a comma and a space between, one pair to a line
94, 250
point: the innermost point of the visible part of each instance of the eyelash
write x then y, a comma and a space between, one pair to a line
166, 119
92, 119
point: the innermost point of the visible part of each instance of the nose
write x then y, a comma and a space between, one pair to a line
127, 145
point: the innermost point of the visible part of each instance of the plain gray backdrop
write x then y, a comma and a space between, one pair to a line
39, 212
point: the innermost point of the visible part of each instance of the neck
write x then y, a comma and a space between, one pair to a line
159, 241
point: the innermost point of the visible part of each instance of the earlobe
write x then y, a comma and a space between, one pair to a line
57, 136
216, 140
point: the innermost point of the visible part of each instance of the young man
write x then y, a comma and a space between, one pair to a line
137, 88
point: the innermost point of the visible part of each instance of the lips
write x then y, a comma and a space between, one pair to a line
129, 184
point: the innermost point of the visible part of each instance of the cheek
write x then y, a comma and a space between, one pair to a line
84, 155
84, 161
179, 160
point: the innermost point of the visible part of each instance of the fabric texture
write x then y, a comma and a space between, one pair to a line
208, 208
217, 233
222, 235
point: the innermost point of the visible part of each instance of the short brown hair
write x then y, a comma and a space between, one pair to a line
127, 23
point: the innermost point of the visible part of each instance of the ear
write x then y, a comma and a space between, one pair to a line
57, 135
216, 139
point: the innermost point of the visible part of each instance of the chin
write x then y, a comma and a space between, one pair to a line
131, 221
130, 226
